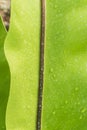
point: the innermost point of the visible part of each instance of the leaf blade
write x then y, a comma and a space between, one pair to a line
22, 51
64, 95
4, 77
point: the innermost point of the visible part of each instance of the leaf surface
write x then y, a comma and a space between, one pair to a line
65, 76
22, 51
4, 77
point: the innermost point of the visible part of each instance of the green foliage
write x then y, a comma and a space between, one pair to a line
22, 51
4, 78
65, 66
65, 77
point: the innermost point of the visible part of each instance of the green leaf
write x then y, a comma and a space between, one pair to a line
64, 105
4, 77
65, 78
22, 51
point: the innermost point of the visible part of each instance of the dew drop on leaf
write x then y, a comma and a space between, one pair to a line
54, 112
80, 117
66, 102
83, 110
76, 89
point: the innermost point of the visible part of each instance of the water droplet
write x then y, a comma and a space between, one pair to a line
78, 103
66, 102
80, 117
41, 68
76, 89
83, 110
3, 127
28, 106
25, 42
24, 106
56, 80
55, 6
54, 76
81, 16
51, 70
54, 112
62, 106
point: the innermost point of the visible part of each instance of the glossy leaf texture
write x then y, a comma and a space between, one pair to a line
22, 52
65, 74
4, 78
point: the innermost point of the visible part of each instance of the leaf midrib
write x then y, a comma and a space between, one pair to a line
41, 69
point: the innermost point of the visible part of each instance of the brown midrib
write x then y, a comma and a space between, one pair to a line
41, 70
